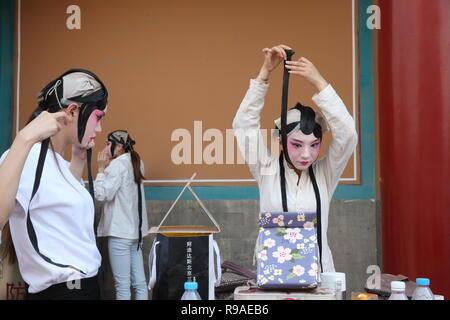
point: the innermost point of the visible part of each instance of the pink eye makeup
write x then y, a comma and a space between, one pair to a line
99, 114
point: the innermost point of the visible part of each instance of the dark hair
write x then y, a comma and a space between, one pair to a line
307, 121
136, 161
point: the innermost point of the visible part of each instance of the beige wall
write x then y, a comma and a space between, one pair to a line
168, 63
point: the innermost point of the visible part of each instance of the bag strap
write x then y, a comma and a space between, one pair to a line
152, 265
187, 186
218, 277
30, 229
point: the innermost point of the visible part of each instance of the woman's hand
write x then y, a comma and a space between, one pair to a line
45, 125
306, 69
272, 58
103, 159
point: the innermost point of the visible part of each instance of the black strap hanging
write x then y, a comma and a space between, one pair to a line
284, 106
90, 180
283, 184
30, 229
140, 215
91, 183
285, 155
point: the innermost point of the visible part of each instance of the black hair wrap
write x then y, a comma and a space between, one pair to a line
307, 122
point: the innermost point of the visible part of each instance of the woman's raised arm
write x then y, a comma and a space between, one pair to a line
12, 163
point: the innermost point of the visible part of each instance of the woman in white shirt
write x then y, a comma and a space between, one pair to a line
304, 129
124, 218
52, 232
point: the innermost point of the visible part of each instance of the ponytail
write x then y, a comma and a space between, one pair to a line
136, 162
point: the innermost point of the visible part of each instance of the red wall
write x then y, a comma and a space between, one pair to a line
414, 88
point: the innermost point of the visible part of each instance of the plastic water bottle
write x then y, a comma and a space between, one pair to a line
398, 291
339, 293
422, 291
190, 291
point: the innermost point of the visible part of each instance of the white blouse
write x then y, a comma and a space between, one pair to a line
265, 167
62, 213
117, 188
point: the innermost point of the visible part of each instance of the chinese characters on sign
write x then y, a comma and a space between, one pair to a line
15, 291
189, 260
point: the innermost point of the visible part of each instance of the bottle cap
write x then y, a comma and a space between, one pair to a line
397, 286
190, 285
423, 282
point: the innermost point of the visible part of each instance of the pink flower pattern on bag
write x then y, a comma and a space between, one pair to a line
314, 270
298, 270
279, 220
283, 254
293, 234
287, 251
308, 226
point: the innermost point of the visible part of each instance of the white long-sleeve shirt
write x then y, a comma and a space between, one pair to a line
117, 188
265, 167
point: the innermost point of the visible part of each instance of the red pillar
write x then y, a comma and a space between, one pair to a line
414, 84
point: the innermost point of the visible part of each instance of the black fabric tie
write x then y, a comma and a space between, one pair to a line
284, 106
91, 184
30, 228
285, 155
140, 215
